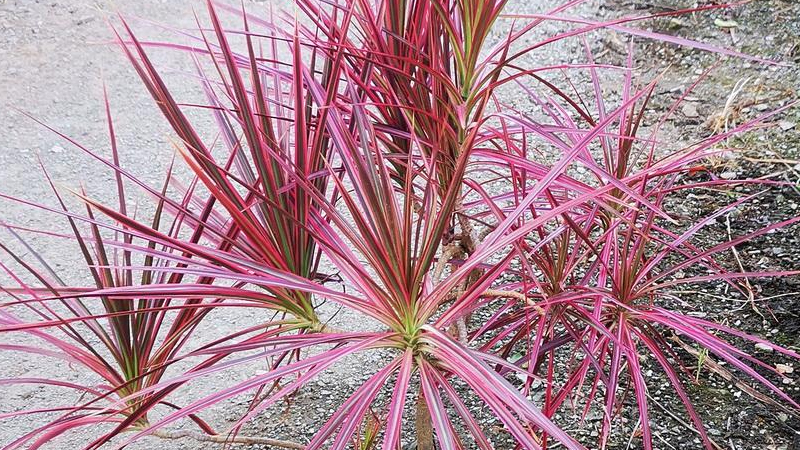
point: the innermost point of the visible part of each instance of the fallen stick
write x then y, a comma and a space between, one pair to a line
224, 439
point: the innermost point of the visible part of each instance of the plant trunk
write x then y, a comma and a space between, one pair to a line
424, 425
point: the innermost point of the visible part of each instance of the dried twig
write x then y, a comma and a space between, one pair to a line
685, 424
727, 375
750, 295
225, 439
772, 160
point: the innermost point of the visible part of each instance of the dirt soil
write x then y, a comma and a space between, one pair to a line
734, 92
55, 56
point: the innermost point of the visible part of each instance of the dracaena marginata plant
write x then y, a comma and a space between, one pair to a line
248, 216
597, 281
359, 138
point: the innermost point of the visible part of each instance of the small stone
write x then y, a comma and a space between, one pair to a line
675, 23
764, 347
690, 110
784, 368
722, 23
57, 149
786, 125
728, 175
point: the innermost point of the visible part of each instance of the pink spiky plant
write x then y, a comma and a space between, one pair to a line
369, 140
599, 275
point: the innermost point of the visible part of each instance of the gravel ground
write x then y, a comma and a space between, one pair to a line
55, 56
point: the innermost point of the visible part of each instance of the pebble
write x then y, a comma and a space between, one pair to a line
786, 125
690, 110
764, 347
722, 23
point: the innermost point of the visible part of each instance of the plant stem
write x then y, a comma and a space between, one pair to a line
424, 425
515, 295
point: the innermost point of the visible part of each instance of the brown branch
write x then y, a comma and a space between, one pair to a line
510, 294
424, 425
515, 295
448, 252
324, 328
223, 439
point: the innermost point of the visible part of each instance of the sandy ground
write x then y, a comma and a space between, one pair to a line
54, 58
